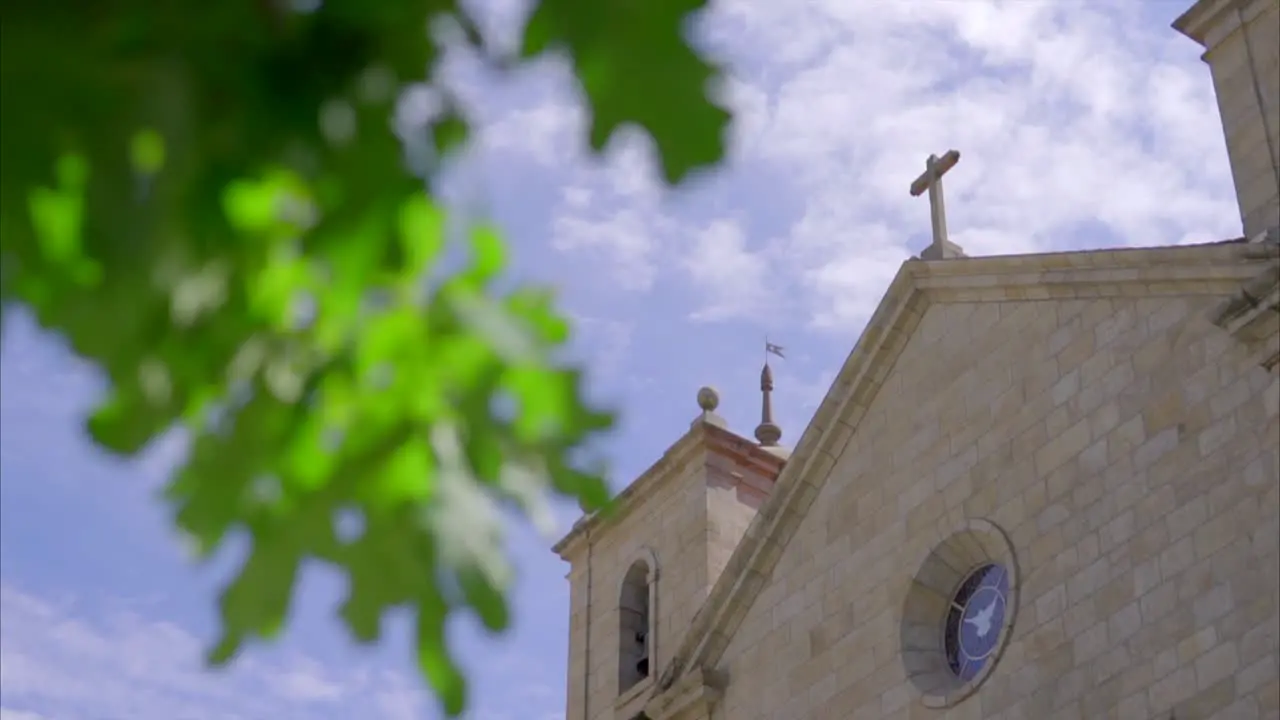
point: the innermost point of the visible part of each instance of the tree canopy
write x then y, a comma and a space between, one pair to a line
208, 202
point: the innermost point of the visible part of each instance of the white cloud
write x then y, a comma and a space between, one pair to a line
611, 217
545, 133
1066, 141
305, 682
8, 714
1085, 124
77, 663
750, 113
620, 244
734, 279
604, 341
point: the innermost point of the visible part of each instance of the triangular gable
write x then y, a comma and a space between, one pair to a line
1200, 270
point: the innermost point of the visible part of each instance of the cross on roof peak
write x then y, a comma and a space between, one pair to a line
931, 180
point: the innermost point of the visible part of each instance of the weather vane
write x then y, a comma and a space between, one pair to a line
771, 349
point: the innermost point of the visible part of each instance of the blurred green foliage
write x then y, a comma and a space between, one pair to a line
208, 202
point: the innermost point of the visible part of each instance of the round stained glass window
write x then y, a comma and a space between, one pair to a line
975, 620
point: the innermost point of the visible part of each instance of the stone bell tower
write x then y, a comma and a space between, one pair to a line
640, 573
1242, 48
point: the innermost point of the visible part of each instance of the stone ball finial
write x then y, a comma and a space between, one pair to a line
708, 399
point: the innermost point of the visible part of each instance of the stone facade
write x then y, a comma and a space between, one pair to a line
1130, 451
1104, 426
1086, 406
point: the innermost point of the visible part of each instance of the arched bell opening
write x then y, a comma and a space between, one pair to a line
635, 631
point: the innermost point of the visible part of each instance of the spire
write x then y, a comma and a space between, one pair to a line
767, 432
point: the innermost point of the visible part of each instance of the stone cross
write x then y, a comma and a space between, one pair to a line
931, 180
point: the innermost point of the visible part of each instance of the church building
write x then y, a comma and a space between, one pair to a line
1040, 487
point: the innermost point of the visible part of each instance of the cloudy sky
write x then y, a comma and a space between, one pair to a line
1082, 124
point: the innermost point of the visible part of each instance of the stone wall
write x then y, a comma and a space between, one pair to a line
685, 515
1131, 453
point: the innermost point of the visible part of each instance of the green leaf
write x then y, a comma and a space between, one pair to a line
422, 227
439, 668
636, 68
489, 255
58, 214
257, 601
486, 599
449, 133
146, 152
126, 422
171, 206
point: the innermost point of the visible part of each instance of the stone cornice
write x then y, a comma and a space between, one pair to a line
1209, 21
1252, 304
1214, 269
1111, 273
702, 436
1252, 313
666, 468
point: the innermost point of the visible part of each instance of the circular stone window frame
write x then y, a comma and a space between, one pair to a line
938, 577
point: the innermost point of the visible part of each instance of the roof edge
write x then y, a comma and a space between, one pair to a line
1195, 21
1212, 269
762, 543
1204, 21
700, 435
675, 455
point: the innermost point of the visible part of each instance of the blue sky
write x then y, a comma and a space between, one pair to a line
1081, 124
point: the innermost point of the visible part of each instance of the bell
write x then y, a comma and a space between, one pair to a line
642, 665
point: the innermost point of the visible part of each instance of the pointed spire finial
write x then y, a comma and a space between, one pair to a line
767, 432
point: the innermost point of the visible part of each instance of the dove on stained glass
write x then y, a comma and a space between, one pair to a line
981, 621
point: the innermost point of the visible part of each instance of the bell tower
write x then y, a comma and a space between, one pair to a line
640, 573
